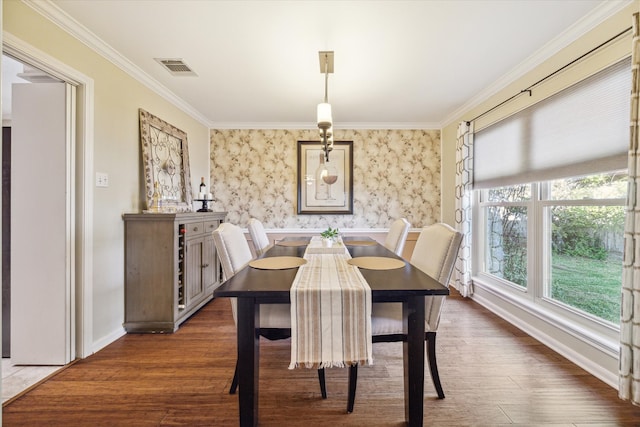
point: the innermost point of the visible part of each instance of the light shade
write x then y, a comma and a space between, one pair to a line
324, 115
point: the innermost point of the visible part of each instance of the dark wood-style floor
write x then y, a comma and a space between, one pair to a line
492, 373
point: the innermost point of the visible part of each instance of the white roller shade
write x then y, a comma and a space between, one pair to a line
581, 130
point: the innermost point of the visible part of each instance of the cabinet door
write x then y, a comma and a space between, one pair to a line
195, 271
209, 270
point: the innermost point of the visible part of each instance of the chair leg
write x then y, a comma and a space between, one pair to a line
323, 384
234, 383
433, 366
353, 380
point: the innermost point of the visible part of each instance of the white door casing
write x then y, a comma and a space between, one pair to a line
80, 307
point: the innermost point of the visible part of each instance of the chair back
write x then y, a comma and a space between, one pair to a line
232, 248
234, 253
397, 236
435, 254
258, 236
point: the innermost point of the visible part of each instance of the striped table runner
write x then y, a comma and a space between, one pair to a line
330, 314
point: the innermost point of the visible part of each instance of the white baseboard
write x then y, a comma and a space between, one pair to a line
106, 340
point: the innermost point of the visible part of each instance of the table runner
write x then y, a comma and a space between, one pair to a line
330, 314
316, 246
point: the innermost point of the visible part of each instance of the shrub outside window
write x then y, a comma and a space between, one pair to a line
506, 219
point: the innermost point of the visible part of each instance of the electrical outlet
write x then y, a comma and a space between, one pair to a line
102, 179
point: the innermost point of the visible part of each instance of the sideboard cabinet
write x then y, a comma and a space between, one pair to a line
171, 268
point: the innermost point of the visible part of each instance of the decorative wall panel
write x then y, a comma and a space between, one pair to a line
396, 173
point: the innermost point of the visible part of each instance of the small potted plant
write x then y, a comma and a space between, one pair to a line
329, 236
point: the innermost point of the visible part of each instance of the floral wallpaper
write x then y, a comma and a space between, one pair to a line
396, 173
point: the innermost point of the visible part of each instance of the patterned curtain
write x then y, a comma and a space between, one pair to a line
464, 179
629, 381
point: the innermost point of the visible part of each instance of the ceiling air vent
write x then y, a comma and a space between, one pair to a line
176, 66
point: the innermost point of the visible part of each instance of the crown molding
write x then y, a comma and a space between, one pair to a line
599, 14
262, 125
313, 126
53, 13
390, 125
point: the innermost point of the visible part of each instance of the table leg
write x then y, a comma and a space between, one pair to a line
413, 356
248, 360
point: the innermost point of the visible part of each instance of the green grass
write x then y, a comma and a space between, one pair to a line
590, 285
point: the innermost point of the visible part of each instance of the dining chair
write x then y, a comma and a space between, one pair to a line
275, 319
435, 254
397, 236
258, 236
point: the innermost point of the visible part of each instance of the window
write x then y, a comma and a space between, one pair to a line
549, 222
584, 243
579, 223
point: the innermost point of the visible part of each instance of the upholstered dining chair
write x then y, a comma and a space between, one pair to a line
397, 236
435, 253
258, 236
275, 319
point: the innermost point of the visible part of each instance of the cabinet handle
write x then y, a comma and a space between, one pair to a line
195, 228
205, 266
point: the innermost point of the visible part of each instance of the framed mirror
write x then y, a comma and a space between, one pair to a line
165, 157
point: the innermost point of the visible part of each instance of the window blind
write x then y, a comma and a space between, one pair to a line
580, 130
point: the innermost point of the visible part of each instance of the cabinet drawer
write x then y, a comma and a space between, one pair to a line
194, 228
210, 226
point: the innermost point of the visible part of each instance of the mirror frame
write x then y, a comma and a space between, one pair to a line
165, 157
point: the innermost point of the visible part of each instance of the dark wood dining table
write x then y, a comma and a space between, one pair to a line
253, 287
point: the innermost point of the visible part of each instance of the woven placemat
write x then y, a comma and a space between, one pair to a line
293, 243
278, 262
376, 263
359, 242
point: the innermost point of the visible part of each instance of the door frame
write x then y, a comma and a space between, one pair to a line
80, 307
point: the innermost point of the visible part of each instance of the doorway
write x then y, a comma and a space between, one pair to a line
82, 291
83, 189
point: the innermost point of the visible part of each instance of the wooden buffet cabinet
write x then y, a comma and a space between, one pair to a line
171, 268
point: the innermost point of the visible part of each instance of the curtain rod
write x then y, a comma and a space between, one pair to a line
528, 89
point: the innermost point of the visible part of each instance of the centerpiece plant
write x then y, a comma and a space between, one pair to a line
329, 235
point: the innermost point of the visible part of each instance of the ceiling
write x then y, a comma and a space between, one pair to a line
398, 64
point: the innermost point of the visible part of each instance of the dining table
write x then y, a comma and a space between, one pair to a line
254, 286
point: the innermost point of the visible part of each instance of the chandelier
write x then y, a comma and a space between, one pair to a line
325, 121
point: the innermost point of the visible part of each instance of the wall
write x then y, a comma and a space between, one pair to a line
600, 360
116, 151
396, 173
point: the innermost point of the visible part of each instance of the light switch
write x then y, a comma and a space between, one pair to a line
102, 179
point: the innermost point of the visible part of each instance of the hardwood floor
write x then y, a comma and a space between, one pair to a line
492, 374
